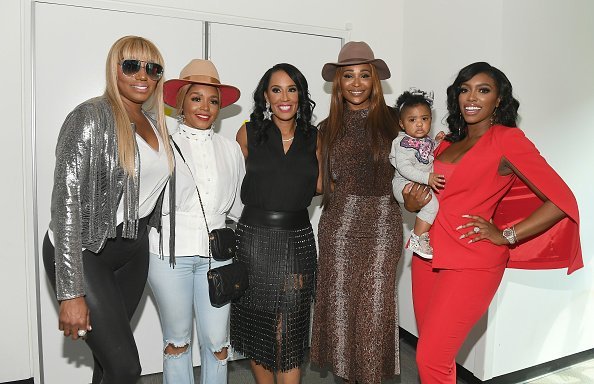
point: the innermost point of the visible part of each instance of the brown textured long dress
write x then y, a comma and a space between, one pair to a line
355, 327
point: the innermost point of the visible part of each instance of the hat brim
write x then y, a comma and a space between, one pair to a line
329, 69
229, 93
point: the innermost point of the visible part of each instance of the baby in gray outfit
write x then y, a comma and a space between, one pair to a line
412, 156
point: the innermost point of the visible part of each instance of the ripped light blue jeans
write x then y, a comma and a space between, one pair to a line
181, 293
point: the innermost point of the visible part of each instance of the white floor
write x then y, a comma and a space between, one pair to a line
239, 373
582, 373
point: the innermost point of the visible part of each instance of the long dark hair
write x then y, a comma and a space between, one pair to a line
505, 114
304, 111
381, 126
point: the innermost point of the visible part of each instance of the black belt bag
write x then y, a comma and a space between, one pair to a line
223, 243
227, 283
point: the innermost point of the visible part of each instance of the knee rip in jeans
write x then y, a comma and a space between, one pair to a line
175, 350
222, 354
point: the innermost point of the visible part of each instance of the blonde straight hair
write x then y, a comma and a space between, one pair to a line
139, 48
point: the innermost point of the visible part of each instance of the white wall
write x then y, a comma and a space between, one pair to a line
17, 278
377, 22
545, 48
546, 315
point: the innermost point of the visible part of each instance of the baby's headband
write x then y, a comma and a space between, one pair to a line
428, 96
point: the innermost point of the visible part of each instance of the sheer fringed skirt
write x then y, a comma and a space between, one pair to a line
270, 322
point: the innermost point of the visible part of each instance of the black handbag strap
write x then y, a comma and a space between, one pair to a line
199, 199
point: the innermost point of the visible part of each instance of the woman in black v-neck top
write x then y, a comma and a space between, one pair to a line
270, 323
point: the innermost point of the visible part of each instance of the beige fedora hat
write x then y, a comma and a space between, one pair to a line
353, 53
199, 71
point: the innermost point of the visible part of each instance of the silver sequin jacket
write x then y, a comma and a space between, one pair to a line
88, 186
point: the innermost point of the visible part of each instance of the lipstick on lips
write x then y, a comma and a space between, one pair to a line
140, 87
202, 116
471, 109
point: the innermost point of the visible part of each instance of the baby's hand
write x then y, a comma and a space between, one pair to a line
440, 136
436, 182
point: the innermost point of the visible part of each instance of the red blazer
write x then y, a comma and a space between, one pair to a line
476, 188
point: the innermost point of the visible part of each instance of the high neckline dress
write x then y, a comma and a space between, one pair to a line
355, 327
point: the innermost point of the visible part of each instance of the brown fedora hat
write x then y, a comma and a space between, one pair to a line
353, 53
199, 71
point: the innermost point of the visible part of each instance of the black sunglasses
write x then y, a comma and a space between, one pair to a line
131, 67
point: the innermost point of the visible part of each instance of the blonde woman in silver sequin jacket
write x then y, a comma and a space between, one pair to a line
113, 160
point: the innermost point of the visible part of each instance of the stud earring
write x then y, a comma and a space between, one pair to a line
267, 112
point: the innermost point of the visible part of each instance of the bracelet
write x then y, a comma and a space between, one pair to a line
510, 235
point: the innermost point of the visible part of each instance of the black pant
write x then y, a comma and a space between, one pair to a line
114, 280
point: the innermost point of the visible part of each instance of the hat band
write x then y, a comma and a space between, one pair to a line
202, 79
356, 59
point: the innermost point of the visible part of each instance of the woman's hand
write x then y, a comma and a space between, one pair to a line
481, 229
74, 317
416, 196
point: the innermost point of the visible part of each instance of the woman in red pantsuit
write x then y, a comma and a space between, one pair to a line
502, 205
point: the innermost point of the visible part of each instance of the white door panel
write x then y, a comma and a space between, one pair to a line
71, 46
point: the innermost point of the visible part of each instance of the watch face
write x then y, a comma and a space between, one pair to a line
509, 235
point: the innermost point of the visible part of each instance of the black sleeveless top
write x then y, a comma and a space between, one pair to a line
276, 181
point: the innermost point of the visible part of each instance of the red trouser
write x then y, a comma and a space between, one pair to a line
447, 303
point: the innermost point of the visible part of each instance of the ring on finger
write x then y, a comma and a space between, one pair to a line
81, 333
476, 229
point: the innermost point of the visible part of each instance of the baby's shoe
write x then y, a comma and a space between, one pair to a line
420, 245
